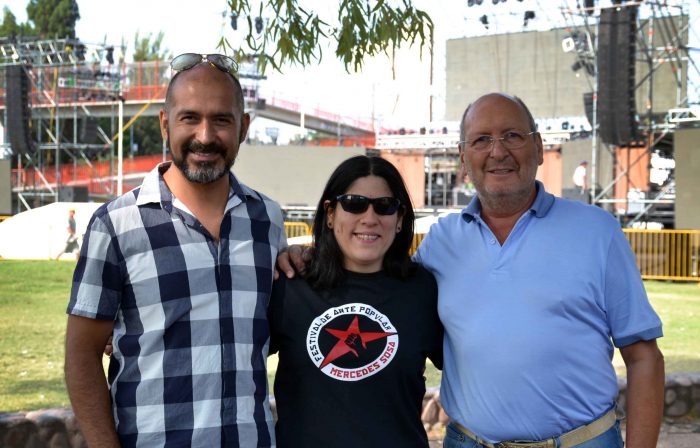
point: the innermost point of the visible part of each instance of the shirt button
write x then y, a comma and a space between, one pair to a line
493, 241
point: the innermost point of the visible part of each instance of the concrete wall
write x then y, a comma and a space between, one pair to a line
531, 65
291, 175
5, 187
687, 156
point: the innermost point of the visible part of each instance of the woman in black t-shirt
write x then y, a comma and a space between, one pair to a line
354, 332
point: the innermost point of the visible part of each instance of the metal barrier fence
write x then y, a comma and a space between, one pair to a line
294, 229
666, 254
660, 254
3, 217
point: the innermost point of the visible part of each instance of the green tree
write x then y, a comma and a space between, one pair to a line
147, 128
53, 18
10, 28
148, 48
293, 35
9, 25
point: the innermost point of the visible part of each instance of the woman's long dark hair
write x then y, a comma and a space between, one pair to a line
326, 267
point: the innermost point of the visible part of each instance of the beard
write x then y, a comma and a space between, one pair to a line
201, 172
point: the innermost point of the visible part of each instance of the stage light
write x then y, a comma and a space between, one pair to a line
529, 15
258, 25
484, 21
110, 55
234, 21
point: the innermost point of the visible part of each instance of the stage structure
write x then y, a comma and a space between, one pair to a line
48, 86
637, 59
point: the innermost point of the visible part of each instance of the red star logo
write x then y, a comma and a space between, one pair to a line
348, 338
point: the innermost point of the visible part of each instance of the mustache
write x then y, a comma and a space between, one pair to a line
195, 146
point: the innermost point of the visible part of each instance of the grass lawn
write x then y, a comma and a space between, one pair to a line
34, 295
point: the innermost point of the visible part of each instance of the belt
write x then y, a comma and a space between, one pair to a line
567, 440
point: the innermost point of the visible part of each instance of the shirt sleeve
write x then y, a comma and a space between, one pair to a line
97, 281
630, 315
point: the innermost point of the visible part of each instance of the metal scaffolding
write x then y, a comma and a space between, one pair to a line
661, 44
67, 77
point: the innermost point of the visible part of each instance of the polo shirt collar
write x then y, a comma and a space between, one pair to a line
155, 190
543, 203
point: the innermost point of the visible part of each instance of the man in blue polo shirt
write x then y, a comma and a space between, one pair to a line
534, 294
179, 272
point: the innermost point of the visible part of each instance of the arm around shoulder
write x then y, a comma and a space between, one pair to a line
645, 393
86, 382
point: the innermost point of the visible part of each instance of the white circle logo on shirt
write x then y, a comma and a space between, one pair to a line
351, 342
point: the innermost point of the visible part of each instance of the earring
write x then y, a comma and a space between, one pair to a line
330, 225
398, 229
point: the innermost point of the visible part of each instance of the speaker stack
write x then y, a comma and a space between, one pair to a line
19, 114
617, 109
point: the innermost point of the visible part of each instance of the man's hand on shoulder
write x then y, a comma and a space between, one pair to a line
293, 260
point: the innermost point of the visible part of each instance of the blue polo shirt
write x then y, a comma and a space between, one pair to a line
530, 324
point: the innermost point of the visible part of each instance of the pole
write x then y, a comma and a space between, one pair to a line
120, 149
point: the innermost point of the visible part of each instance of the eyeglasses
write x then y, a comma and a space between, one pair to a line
186, 61
509, 140
356, 204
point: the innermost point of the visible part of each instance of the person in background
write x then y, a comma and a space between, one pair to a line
72, 241
353, 333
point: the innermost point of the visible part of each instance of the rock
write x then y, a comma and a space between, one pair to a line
678, 409
670, 396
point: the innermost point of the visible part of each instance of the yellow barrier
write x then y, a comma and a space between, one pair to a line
666, 254
4, 217
660, 254
294, 229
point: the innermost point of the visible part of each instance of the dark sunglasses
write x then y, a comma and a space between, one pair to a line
354, 203
186, 61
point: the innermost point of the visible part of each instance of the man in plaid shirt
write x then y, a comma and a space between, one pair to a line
179, 271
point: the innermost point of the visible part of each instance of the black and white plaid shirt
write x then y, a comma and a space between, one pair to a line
190, 320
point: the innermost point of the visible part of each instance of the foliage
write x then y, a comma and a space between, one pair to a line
53, 18
147, 50
294, 35
146, 135
34, 295
9, 26
146, 129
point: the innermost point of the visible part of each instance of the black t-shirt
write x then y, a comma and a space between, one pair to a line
351, 360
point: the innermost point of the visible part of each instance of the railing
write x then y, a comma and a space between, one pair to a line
660, 254
294, 229
666, 254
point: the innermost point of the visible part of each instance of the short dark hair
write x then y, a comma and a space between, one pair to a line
238, 90
531, 119
326, 267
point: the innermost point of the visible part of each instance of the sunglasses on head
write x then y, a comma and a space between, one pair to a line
186, 61
354, 203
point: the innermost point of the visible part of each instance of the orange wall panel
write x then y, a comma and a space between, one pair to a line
412, 169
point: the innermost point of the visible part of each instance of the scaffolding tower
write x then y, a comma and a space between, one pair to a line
66, 77
662, 31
